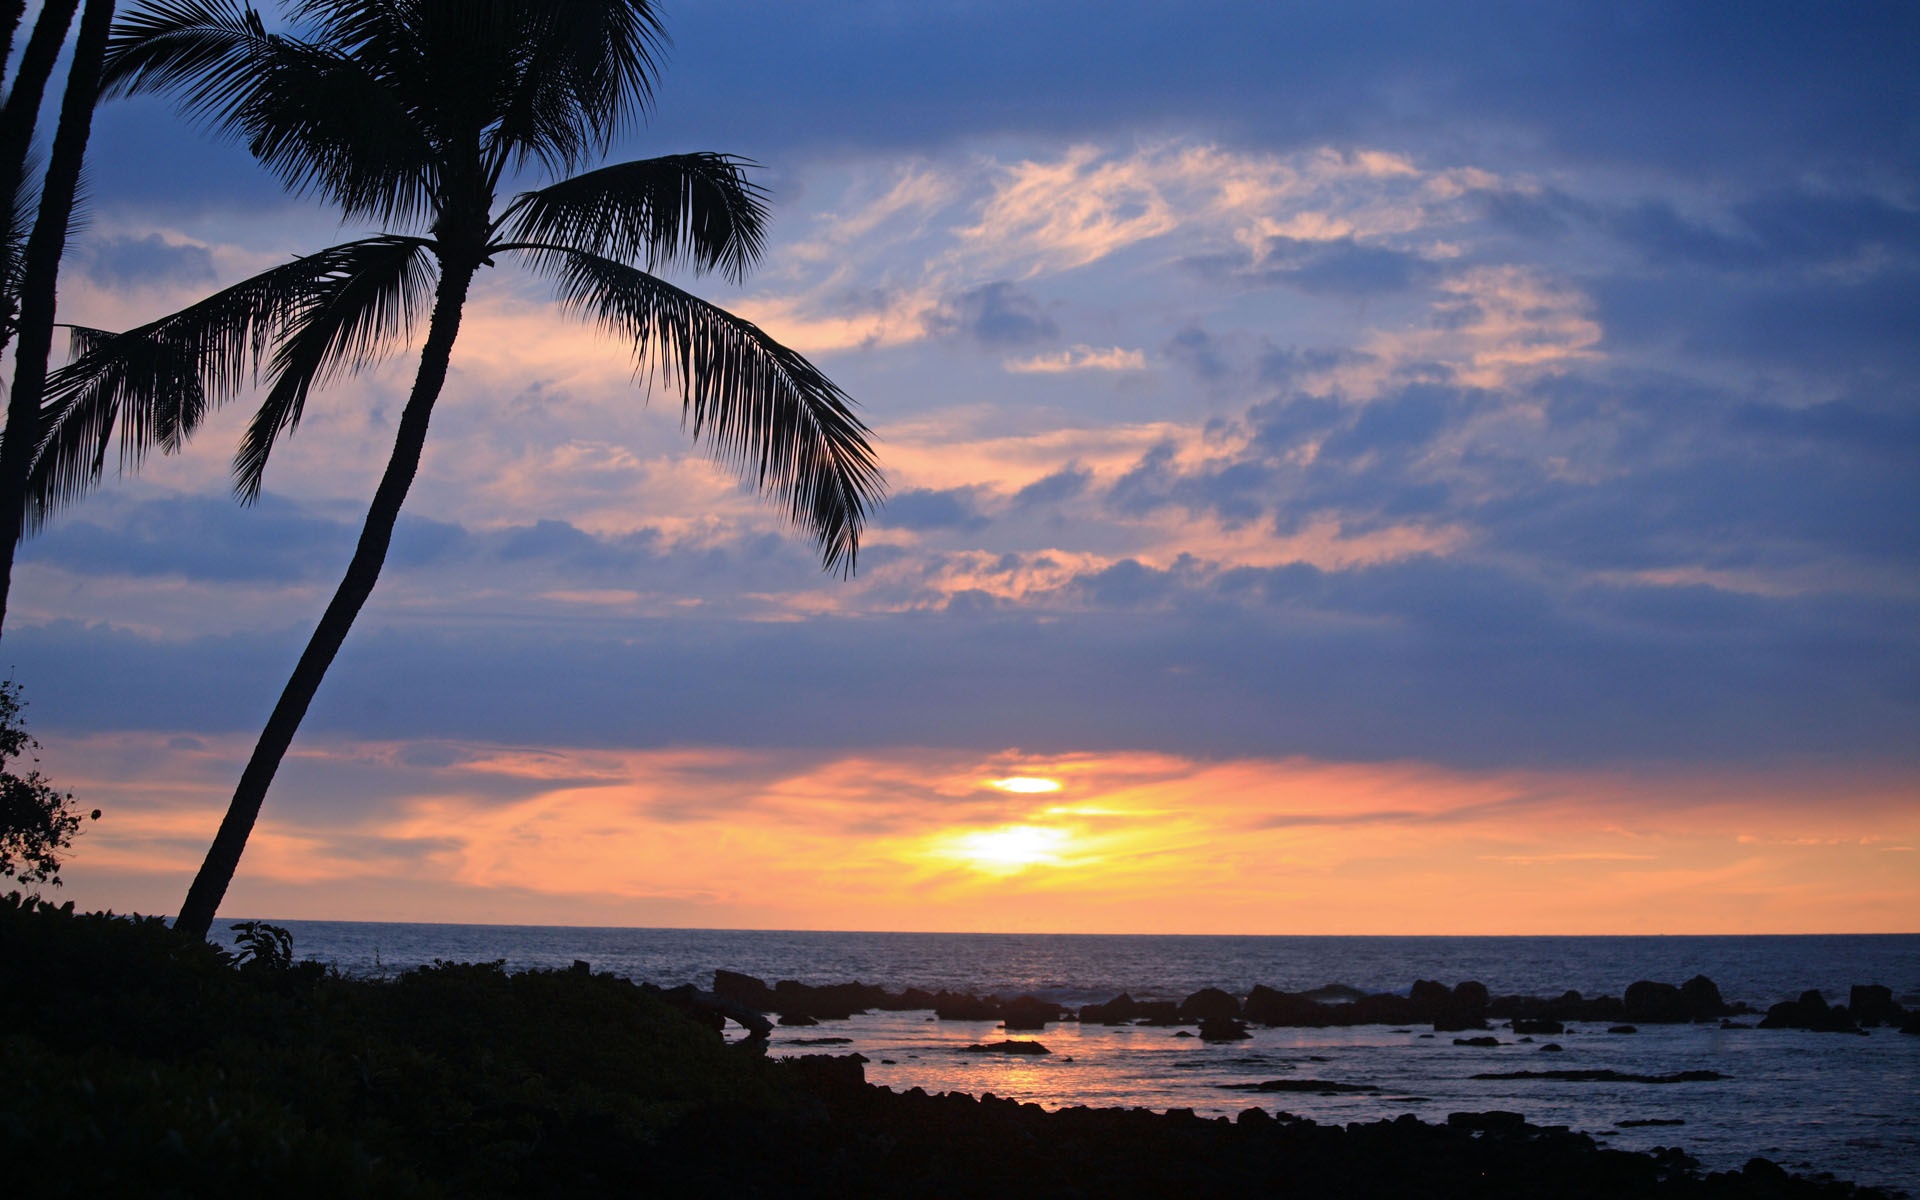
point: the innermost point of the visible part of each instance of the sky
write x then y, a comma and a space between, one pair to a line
1354, 468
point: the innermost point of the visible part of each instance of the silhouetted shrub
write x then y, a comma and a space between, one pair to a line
37, 820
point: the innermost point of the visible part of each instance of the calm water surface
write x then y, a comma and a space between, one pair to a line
1812, 1102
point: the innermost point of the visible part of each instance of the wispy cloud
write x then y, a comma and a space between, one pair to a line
1079, 358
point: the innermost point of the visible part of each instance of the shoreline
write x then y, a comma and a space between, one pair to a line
143, 1063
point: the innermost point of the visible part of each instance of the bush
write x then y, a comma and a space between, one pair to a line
37, 820
141, 1062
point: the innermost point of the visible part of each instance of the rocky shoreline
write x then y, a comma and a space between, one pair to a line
1220, 1015
142, 1063
861, 1140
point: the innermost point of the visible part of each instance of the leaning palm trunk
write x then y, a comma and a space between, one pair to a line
223, 857
22, 109
10, 14
40, 278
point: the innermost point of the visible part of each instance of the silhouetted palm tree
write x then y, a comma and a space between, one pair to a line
411, 113
30, 264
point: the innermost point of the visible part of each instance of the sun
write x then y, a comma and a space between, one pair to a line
1011, 848
1027, 785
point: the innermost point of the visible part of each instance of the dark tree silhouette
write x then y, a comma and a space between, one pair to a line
39, 271
37, 820
411, 113
21, 112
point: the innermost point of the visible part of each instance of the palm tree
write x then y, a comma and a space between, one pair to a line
30, 270
411, 113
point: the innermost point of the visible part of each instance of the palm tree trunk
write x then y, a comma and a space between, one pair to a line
40, 278
223, 857
22, 110
10, 13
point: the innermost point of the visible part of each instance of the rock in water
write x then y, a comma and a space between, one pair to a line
1223, 1029
1006, 1048
1872, 1004
1810, 1011
1702, 998
1655, 1003
1209, 1003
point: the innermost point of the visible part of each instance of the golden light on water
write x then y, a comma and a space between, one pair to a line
1012, 848
1027, 785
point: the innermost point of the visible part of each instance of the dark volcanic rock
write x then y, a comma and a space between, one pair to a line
1872, 1004
1266, 1006
961, 1006
1608, 1076
754, 993
1810, 1011
1655, 1003
1451, 1010
1429, 997
865, 1141
797, 1019
1120, 1009
1316, 1087
1622, 1029
1209, 1002
833, 1002
1496, 1120
1538, 1025
1702, 998
1223, 1029
911, 1000
1381, 1008
1477, 1041
1008, 1047
1031, 1012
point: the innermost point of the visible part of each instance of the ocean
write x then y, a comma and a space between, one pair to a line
1813, 1102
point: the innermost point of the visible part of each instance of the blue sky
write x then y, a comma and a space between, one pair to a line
1489, 389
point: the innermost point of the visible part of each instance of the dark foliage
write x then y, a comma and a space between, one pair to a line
37, 820
140, 1062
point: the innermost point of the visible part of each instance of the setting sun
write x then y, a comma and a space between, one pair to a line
1027, 784
1013, 848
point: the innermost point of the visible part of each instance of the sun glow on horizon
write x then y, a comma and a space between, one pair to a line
1008, 849
1027, 785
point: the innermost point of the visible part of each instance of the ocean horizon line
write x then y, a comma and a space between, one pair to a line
1048, 933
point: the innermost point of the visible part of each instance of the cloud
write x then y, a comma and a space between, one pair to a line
998, 314
1067, 213
1783, 89
149, 259
1335, 268
202, 537
1079, 358
924, 508
1065, 484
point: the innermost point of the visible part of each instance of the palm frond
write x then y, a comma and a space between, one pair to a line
203, 48
155, 384
350, 321
761, 407
316, 117
697, 209
586, 72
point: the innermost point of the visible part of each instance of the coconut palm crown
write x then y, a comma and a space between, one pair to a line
410, 114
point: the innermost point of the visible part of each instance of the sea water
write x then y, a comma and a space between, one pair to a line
1813, 1102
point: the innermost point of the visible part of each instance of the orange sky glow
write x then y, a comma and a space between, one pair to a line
939, 840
